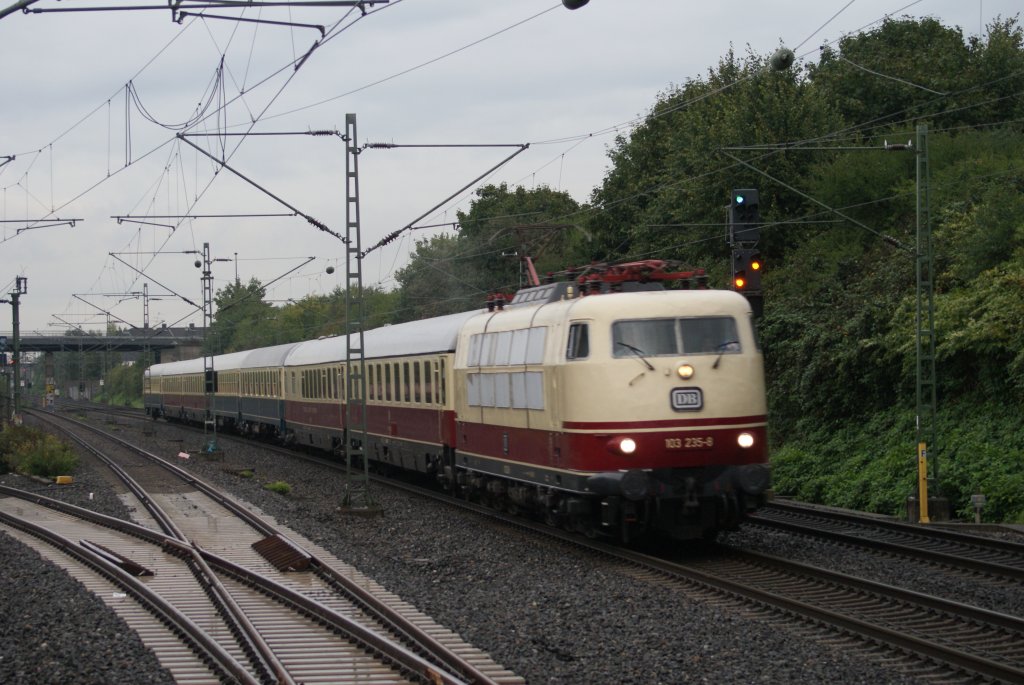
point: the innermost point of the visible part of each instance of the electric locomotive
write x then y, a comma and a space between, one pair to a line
608, 404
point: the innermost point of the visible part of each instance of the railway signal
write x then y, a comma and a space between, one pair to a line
744, 216
746, 271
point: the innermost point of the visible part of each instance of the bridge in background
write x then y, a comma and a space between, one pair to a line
187, 342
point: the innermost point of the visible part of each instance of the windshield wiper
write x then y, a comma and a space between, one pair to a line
721, 350
638, 352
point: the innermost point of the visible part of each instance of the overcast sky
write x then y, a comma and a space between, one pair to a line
88, 146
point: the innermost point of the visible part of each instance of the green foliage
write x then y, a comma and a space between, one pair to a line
31, 452
839, 328
872, 466
669, 181
455, 273
278, 486
241, 316
123, 384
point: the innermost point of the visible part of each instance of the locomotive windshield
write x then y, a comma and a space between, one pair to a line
656, 337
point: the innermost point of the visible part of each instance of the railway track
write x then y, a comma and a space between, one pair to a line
280, 609
945, 641
999, 559
934, 638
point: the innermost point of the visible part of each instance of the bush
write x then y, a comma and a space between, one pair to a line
32, 452
870, 464
278, 486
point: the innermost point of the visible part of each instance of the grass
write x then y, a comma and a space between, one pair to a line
278, 486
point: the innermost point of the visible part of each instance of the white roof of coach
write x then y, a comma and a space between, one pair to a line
414, 337
268, 356
221, 362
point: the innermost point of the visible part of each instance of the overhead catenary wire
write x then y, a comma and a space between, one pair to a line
557, 157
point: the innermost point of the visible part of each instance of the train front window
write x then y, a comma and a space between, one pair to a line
651, 337
656, 337
709, 335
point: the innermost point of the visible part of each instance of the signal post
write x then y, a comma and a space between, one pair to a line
744, 234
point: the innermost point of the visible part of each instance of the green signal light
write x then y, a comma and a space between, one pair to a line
739, 199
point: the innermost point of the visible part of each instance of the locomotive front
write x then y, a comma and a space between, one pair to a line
622, 413
663, 402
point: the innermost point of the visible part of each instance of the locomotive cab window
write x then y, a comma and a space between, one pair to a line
579, 342
656, 337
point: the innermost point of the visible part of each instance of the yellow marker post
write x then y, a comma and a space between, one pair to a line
922, 481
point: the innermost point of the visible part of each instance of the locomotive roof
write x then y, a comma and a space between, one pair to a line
684, 302
414, 337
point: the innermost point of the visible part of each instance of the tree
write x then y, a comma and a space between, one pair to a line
666, 193
240, 319
452, 273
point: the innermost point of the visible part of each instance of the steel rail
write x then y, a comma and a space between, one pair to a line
962, 551
249, 639
198, 639
365, 600
952, 657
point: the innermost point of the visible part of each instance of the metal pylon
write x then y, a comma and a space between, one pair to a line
925, 313
209, 377
357, 495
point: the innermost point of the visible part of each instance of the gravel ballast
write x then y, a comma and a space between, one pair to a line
551, 614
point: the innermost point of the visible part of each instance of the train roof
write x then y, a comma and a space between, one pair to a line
221, 362
682, 302
263, 357
426, 336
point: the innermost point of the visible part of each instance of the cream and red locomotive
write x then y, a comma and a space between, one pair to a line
608, 404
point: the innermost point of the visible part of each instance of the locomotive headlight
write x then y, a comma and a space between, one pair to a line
745, 440
685, 371
622, 445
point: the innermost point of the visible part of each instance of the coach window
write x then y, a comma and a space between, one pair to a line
387, 382
417, 388
442, 385
428, 390
579, 341
406, 385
